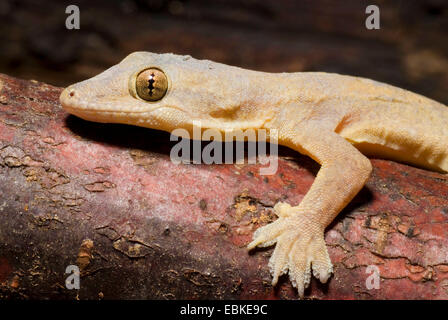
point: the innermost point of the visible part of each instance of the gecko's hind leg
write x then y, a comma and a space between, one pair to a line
300, 247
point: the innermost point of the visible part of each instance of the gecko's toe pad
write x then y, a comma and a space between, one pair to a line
300, 248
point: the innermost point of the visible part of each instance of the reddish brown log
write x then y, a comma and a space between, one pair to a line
108, 198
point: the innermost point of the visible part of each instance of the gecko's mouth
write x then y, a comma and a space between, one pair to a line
72, 103
100, 106
118, 110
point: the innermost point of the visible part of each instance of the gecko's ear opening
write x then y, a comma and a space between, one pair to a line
150, 84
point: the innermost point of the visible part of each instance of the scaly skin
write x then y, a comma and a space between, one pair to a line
332, 118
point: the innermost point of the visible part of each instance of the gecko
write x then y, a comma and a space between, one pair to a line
337, 120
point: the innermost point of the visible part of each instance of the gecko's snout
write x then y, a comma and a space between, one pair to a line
71, 100
67, 96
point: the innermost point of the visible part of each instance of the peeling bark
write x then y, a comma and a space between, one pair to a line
108, 199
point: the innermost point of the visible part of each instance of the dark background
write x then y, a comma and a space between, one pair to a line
410, 50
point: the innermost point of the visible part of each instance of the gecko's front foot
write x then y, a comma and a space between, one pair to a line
300, 247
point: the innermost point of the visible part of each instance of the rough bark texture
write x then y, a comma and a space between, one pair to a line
108, 199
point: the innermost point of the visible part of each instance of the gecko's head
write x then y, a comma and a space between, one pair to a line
162, 91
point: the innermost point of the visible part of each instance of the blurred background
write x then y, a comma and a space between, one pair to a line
409, 51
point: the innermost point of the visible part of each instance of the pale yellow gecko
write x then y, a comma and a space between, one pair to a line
332, 118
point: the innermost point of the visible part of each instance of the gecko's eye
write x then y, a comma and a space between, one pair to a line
151, 84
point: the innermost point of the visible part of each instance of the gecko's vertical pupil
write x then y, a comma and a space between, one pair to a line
151, 84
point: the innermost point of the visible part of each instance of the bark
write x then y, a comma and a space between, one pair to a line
108, 199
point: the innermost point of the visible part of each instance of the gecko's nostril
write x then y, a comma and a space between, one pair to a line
68, 97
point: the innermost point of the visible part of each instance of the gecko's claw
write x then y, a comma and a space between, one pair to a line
299, 271
300, 248
266, 236
322, 267
278, 264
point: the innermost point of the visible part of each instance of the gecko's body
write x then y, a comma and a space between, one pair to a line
334, 119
